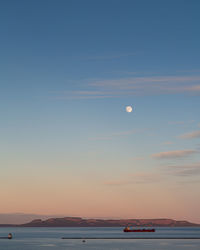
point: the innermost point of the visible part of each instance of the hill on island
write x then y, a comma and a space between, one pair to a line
80, 222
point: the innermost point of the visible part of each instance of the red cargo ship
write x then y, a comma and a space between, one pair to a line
150, 230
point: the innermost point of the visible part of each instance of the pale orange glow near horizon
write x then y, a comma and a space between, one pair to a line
95, 200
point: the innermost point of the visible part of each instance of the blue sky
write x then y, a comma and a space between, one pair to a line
68, 69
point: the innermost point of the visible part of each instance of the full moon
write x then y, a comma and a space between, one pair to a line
129, 109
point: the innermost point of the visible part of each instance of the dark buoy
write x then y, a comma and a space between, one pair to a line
83, 241
9, 236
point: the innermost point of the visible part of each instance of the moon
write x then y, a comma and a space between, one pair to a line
129, 109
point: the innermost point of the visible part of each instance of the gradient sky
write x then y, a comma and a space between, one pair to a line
68, 69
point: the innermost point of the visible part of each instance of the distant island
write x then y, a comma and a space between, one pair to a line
80, 222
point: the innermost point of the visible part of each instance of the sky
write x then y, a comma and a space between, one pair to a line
68, 69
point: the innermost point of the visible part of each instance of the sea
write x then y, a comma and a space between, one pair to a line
99, 238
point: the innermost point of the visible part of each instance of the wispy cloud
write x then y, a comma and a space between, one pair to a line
183, 170
167, 143
164, 174
135, 178
132, 86
191, 135
152, 85
174, 154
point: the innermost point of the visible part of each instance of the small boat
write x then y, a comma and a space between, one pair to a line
10, 236
144, 230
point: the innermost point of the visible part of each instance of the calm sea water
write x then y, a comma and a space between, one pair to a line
50, 238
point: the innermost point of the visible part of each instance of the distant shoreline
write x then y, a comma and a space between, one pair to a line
80, 222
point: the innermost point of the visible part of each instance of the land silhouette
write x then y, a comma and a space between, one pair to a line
81, 222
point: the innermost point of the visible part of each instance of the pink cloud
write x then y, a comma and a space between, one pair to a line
167, 143
174, 154
194, 134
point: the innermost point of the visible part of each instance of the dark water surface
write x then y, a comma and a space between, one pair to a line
50, 238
